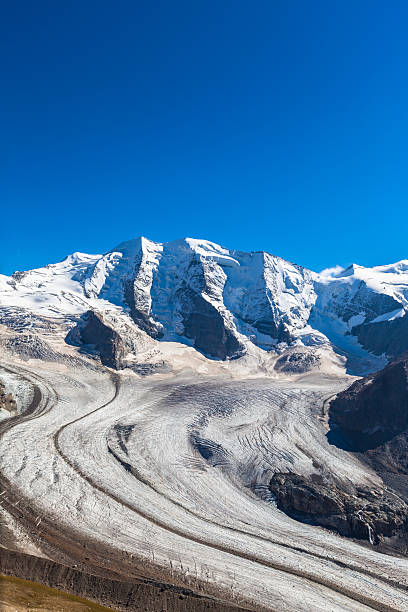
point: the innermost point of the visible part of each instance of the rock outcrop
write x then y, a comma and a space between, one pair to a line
371, 419
7, 401
106, 341
116, 340
297, 361
204, 325
363, 513
374, 410
385, 337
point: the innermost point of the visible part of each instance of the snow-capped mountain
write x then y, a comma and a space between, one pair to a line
221, 302
362, 310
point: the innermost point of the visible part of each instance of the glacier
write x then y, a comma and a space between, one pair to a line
224, 303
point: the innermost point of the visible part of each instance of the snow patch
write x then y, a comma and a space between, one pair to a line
390, 316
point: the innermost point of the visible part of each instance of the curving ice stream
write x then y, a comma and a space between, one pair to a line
165, 477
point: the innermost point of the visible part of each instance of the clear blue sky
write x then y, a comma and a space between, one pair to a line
275, 125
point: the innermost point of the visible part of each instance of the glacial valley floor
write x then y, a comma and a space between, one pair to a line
162, 482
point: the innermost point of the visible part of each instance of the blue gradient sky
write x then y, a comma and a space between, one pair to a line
276, 125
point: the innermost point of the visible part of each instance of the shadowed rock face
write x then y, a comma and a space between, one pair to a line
206, 327
371, 418
365, 514
389, 337
374, 410
106, 340
371, 302
140, 317
114, 340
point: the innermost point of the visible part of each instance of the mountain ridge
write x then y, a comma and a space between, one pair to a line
222, 301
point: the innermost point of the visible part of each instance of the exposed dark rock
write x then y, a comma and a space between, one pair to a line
283, 334
374, 410
141, 318
365, 514
297, 362
364, 299
206, 327
113, 342
7, 401
146, 369
18, 276
264, 325
371, 419
389, 337
391, 456
106, 340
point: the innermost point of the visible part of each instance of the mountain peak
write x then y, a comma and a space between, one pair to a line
221, 301
133, 246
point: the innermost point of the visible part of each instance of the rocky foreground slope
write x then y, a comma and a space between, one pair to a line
370, 418
373, 412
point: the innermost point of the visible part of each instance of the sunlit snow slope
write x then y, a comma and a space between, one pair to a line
224, 303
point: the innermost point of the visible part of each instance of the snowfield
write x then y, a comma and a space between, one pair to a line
170, 291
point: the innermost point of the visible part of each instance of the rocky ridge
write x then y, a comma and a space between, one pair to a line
224, 303
373, 410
